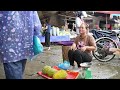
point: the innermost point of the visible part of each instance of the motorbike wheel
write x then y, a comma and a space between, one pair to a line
102, 52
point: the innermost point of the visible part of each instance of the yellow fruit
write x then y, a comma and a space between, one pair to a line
61, 74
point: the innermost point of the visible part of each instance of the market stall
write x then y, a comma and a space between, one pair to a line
56, 38
107, 13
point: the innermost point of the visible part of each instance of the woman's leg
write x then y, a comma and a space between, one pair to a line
81, 57
86, 57
78, 57
14, 70
23, 65
70, 57
47, 39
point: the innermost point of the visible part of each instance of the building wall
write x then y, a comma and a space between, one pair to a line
54, 18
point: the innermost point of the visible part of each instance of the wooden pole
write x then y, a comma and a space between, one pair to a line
106, 21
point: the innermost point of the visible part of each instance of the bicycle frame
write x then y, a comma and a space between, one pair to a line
105, 45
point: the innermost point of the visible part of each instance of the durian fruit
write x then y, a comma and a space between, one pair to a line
61, 74
51, 72
46, 69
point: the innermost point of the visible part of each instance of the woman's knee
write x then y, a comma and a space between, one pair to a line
89, 59
77, 52
70, 52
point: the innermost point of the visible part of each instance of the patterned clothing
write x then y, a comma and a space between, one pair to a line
16, 34
86, 41
49, 28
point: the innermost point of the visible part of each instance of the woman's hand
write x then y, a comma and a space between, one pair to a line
73, 47
83, 48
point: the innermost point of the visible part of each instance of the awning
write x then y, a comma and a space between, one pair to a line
108, 12
114, 15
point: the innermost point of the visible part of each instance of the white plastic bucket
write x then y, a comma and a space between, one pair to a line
57, 31
54, 31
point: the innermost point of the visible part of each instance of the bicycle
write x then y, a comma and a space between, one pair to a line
104, 41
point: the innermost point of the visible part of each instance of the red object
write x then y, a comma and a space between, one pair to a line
108, 12
108, 25
71, 74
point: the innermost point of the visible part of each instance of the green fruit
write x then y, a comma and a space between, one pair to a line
45, 69
61, 74
51, 72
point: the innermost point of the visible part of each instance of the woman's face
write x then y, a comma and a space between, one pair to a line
83, 29
44, 25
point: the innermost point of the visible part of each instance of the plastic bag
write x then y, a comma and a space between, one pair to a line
37, 46
65, 65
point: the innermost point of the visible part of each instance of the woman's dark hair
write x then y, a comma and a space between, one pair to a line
47, 20
87, 26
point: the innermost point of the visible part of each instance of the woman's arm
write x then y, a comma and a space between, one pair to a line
73, 47
92, 43
90, 48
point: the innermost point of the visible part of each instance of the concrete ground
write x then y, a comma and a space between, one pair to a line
100, 70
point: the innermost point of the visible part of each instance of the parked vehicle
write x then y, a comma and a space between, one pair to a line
104, 40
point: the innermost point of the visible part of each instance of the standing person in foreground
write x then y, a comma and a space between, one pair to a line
47, 34
80, 50
17, 29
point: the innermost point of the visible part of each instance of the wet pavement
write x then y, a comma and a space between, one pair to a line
100, 70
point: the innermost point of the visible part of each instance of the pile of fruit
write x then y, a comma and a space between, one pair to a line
64, 33
53, 73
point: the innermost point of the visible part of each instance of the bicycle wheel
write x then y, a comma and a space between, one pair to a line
102, 52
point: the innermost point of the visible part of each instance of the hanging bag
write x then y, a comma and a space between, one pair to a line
37, 46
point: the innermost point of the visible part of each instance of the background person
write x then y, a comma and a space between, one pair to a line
17, 29
47, 34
